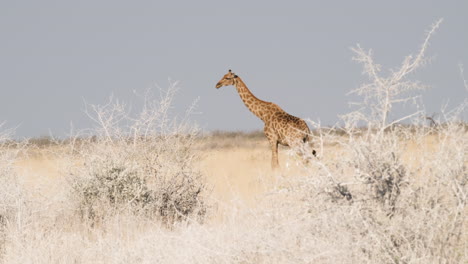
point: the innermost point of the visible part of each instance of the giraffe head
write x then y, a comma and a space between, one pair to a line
228, 79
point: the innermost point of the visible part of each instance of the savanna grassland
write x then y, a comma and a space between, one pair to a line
406, 205
147, 187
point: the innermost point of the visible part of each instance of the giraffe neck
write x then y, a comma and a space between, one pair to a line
255, 105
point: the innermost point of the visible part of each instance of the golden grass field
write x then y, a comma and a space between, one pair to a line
235, 167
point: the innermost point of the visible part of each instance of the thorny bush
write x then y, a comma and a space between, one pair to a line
142, 164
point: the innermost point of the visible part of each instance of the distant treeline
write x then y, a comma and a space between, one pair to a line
47, 141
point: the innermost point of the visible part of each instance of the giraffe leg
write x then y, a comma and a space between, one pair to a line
274, 154
273, 139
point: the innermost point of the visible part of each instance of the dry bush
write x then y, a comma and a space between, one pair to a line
143, 164
403, 209
130, 175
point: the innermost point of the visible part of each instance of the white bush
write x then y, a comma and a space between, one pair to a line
142, 163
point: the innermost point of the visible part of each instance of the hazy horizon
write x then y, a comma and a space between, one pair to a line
56, 55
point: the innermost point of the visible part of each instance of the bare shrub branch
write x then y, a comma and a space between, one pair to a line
382, 93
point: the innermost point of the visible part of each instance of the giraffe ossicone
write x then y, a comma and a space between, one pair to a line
280, 127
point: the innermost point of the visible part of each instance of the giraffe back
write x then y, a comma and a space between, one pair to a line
290, 130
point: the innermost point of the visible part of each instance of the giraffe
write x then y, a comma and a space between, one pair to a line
280, 127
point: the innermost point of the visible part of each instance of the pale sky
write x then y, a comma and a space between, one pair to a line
55, 54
